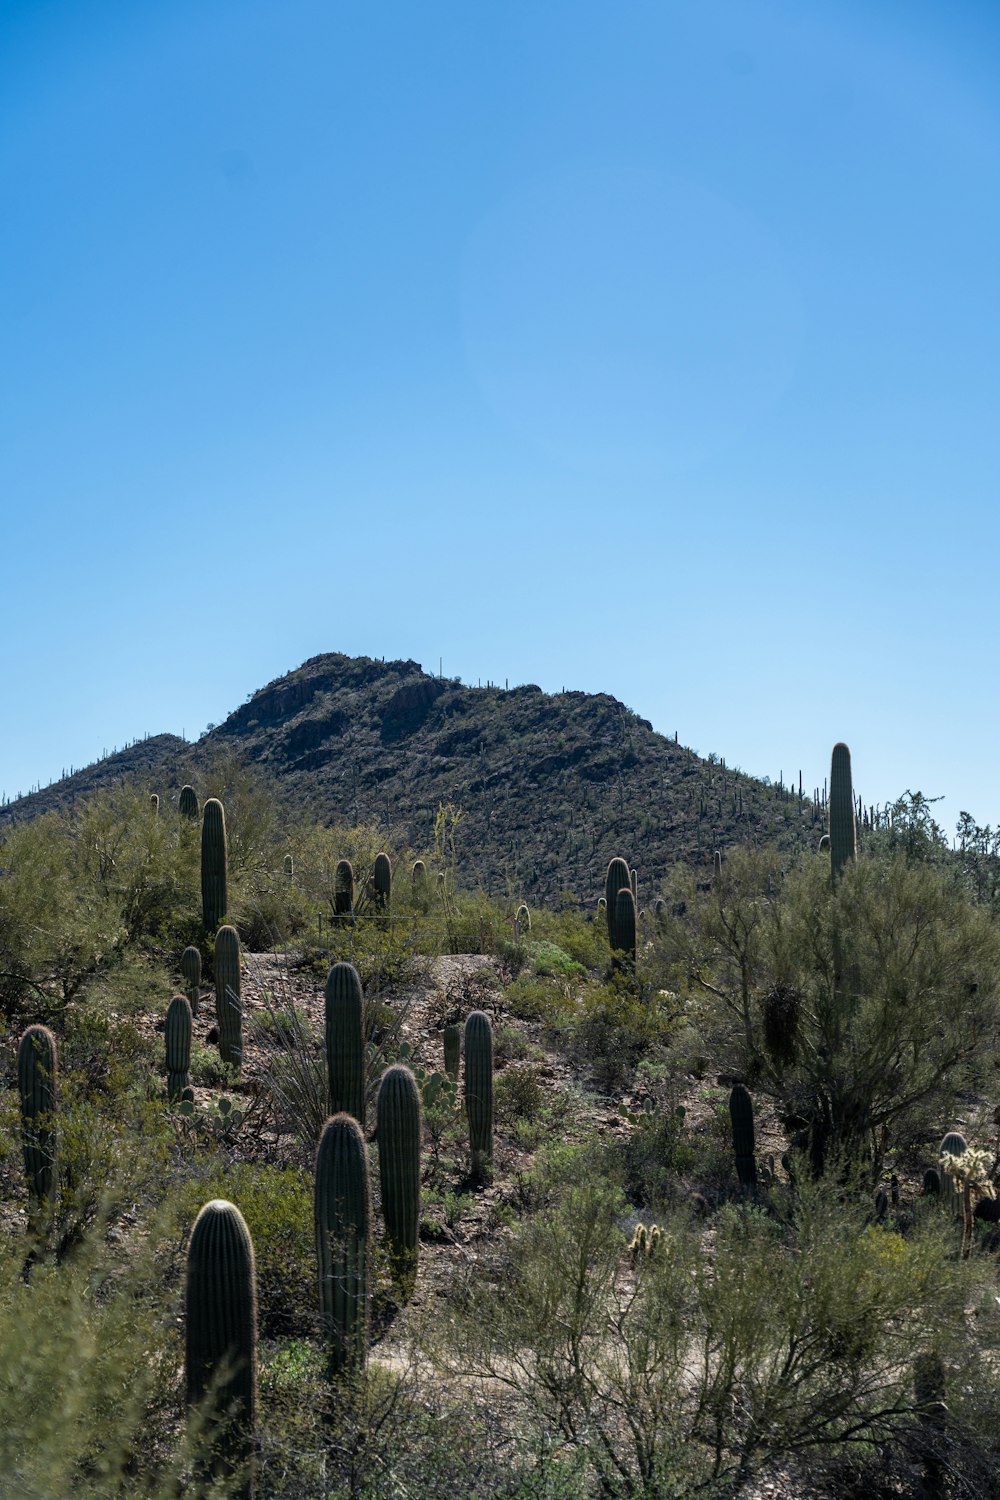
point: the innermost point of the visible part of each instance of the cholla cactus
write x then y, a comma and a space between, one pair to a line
969, 1171
645, 1242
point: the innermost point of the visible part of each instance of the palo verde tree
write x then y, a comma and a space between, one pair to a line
846, 1062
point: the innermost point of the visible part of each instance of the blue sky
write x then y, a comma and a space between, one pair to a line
651, 348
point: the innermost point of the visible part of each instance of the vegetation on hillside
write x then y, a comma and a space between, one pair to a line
701, 1233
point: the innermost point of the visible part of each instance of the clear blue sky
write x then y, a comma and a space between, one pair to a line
642, 347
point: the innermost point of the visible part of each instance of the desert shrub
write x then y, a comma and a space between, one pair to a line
532, 998
615, 1025
696, 1367
89, 1352
893, 981
518, 1093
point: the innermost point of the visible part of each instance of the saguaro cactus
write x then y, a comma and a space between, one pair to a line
289, 867
343, 1216
191, 970
399, 1133
452, 1050
154, 803
178, 1042
345, 1045
621, 928
214, 865
617, 878
843, 835
382, 881
479, 1088
37, 1077
187, 803
717, 867
221, 1338
741, 1115
343, 889
522, 918
228, 999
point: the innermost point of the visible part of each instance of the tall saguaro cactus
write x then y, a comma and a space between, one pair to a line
221, 1339
343, 889
617, 878
343, 1215
621, 928
187, 803
399, 1133
214, 865
479, 1088
178, 1043
452, 1050
191, 970
37, 1077
345, 1043
382, 881
228, 996
843, 833
744, 1142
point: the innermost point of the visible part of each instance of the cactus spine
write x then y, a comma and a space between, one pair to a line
214, 863
621, 928
954, 1144
345, 1046
343, 1220
178, 1039
741, 1115
187, 803
479, 1088
343, 889
452, 1050
221, 1337
399, 1133
37, 1076
191, 970
228, 1000
843, 834
382, 881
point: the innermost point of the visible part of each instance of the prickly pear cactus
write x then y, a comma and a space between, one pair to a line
187, 803
228, 998
452, 1050
399, 1137
744, 1143
191, 970
345, 1047
343, 1215
214, 865
382, 881
843, 835
37, 1077
178, 1044
221, 1340
479, 1088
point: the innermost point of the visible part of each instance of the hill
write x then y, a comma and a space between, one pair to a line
550, 785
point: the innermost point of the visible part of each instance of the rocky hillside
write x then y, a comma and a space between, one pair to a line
550, 785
